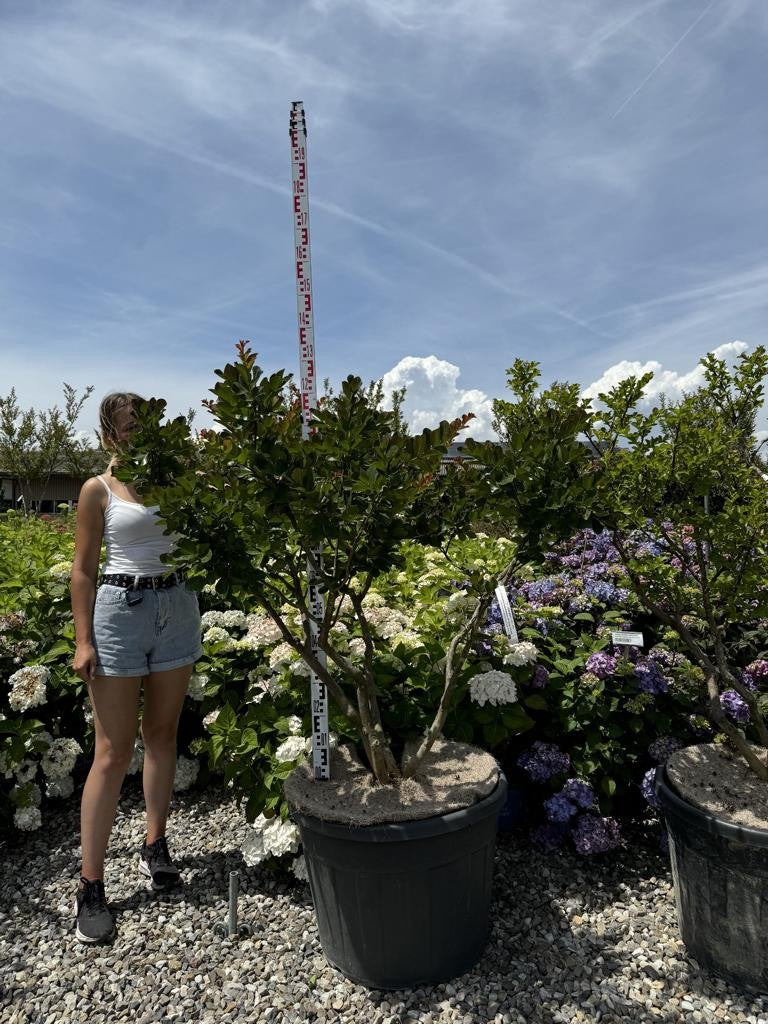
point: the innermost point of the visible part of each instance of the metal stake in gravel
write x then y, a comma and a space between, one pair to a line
305, 314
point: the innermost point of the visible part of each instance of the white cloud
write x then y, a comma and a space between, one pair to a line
669, 382
433, 394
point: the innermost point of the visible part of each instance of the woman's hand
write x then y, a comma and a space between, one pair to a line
84, 662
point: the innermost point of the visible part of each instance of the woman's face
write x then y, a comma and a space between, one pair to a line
124, 423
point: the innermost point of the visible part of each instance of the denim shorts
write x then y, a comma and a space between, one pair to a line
161, 632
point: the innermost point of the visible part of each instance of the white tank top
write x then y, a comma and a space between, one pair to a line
134, 537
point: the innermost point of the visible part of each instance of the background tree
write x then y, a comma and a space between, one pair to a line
36, 443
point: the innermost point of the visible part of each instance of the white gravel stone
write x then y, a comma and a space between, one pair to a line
572, 940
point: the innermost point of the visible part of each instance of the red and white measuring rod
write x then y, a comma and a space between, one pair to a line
308, 370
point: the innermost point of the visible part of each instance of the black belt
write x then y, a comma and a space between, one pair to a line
131, 582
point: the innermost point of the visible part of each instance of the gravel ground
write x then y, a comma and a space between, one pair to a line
572, 940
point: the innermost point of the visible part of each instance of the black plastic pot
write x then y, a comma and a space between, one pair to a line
404, 904
720, 872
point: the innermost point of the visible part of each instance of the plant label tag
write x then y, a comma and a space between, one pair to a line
620, 638
506, 614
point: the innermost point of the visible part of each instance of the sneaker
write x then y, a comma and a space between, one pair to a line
93, 919
155, 861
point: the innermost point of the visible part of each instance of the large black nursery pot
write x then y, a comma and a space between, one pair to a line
404, 904
720, 874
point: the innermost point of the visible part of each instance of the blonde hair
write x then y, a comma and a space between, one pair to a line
110, 406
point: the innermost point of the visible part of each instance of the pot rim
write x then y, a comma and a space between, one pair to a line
705, 819
416, 828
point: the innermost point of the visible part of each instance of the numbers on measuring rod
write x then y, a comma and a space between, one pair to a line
308, 379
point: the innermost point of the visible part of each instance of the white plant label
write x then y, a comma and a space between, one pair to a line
308, 372
506, 614
620, 638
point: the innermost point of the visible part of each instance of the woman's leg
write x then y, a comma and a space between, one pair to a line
115, 701
164, 694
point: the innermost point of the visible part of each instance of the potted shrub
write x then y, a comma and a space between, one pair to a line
399, 843
684, 494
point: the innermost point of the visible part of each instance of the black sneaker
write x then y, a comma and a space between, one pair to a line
155, 861
93, 919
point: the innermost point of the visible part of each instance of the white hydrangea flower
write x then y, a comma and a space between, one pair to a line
27, 819
524, 653
253, 849
262, 630
409, 639
481, 536
247, 643
187, 769
211, 717
27, 687
281, 837
6, 766
294, 725
386, 622
262, 688
61, 570
216, 635
492, 687
300, 668
62, 788
230, 619
209, 588
357, 646
282, 655
292, 748
197, 684
339, 629
26, 770
299, 868
137, 760
460, 605
373, 600
346, 607
59, 759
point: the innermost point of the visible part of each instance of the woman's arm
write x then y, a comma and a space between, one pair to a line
88, 536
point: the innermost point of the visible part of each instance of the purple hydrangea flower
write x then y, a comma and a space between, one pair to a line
664, 747
559, 808
748, 680
606, 592
646, 788
758, 668
662, 656
543, 761
593, 834
579, 791
601, 664
540, 677
734, 706
542, 625
548, 836
650, 677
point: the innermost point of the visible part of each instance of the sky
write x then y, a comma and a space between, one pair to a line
579, 182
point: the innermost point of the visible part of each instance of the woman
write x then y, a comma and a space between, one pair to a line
135, 623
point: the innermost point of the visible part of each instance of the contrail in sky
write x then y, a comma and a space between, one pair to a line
668, 54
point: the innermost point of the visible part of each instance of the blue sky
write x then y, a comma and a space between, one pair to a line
581, 182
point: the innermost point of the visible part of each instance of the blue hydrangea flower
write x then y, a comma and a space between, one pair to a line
593, 834
646, 788
559, 808
540, 677
650, 678
579, 792
734, 706
543, 761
